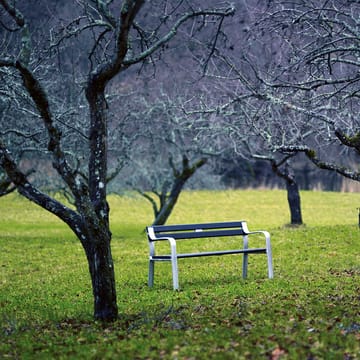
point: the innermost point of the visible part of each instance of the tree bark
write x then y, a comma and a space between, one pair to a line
293, 193
170, 202
293, 196
180, 179
6, 186
101, 268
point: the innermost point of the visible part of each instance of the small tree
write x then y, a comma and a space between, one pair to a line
283, 169
166, 154
170, 190
248, 127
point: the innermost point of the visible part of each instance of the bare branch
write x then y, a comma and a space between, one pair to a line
27, 189
311, 154
165, 39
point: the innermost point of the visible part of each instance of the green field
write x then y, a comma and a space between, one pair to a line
310, 310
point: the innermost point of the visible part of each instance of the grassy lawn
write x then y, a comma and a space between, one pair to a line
310, 310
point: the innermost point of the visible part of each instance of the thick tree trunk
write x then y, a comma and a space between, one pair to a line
102, 274
96, 210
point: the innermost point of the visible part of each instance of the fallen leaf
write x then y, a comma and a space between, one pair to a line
277, 353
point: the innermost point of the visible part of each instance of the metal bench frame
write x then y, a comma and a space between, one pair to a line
172, 233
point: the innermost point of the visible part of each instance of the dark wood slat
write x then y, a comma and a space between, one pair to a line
203, 226
201, 234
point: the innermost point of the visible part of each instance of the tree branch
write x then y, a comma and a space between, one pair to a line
311, 155
39, 97
26, 189
350, 141
15, 14
165, 39
151, 200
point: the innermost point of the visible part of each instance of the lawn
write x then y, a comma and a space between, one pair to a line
310, 310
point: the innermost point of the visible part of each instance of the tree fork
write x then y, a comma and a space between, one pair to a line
180, 179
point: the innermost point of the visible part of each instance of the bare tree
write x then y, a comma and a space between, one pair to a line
112, 42
164, 199
282, 168
292, 86
248, 126
313, 79
165, 155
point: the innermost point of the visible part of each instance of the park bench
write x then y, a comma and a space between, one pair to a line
173, 233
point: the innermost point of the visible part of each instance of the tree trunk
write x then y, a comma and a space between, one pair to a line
95, 237
180, 179
293, 193
102, 274
170, 202
293, 196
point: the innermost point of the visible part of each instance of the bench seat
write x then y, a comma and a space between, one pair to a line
173, 233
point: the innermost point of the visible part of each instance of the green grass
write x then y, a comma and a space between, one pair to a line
310, 310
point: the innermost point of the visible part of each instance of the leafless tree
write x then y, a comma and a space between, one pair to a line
165, 154
291, 84
247, 126
109, 37
312, 80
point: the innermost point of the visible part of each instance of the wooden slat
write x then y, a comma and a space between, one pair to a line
192, 231
201, 234
204, 226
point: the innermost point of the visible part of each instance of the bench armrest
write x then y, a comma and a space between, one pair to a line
172, 243
265, 233
267, 237
268, 249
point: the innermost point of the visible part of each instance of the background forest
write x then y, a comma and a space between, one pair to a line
199, 97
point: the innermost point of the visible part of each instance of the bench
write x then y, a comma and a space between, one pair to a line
173, 233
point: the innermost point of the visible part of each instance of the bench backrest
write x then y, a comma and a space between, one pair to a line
191, 231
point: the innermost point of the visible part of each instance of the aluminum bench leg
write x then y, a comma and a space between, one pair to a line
151, 264
245, 258
270, 265
245, 266
269, 255
151, 273
175, 274
174, 266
